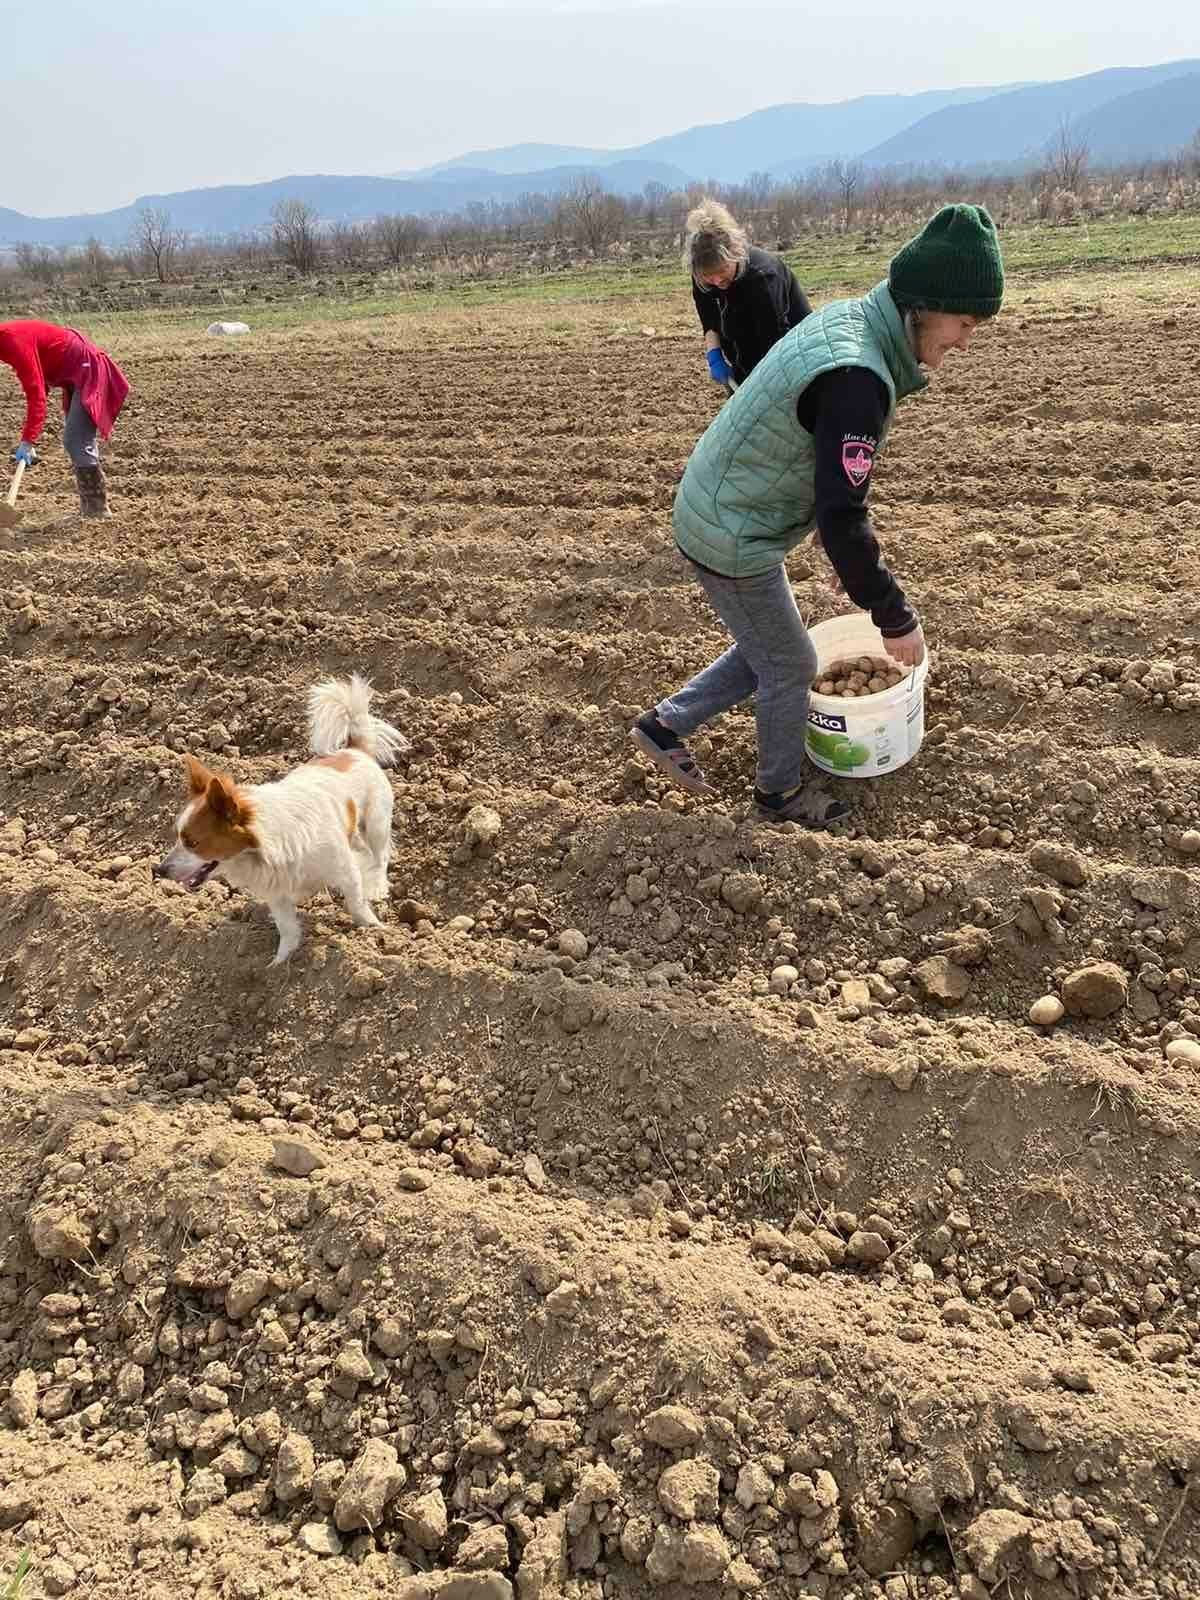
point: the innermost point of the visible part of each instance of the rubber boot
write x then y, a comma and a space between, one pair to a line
93, 492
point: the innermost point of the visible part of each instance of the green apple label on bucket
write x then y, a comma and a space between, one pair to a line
841, 752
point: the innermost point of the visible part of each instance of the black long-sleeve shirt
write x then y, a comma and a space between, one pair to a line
759, 306
845, 411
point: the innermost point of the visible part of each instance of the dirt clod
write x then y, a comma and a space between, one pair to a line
372, 1483
1097, 990
23, 1398
321, 1539
688, 1489
296, 1157
674, 1427
943, 980
295, 1468
1060, 862
60, 1235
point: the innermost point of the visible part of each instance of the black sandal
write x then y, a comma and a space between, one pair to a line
811, 805
670, 756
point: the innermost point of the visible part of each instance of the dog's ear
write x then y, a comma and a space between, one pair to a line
224, 801
197, 775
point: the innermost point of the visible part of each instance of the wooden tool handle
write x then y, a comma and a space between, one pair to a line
11, 497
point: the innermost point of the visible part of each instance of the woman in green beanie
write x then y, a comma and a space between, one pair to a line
792, 454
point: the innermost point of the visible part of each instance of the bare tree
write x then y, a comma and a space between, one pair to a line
251, 249
1191, 154
654, 200
593, 217
155, 241
844, 179
40, 263
759, 188
196, 253
882, 195
791, 206
96, 262
1067, 156
479, 221
399, 238
297, 236
350, 243
449, 234
533, 210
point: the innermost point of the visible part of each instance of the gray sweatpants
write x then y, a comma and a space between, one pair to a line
772, 659
79, 435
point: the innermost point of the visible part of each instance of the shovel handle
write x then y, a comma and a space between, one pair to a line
11, 497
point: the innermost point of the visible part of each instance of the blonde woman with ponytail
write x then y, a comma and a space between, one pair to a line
745, 298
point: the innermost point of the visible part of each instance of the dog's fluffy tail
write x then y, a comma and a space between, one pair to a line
339, 718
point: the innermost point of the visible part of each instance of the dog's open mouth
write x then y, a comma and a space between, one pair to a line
200, 876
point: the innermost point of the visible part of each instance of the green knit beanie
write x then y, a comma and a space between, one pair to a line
953, 265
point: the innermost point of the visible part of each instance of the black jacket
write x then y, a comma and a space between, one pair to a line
845, 411
759, 306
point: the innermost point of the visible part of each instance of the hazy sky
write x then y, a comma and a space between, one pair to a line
103, 104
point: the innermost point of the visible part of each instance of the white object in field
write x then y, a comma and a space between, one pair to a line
228, 327
869, 735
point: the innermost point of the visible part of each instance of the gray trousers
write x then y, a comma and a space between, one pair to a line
772, 659
79, 435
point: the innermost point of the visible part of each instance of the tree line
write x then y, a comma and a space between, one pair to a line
586, 220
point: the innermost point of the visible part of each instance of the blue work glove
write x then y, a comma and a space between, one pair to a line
720, 369
26, 453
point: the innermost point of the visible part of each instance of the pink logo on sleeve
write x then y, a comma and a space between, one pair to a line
858, 457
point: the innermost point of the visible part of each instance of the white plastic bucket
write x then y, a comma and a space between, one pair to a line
870, 735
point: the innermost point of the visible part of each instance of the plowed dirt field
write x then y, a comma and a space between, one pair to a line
656, 1201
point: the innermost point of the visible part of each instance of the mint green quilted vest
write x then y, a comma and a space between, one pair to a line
747, 495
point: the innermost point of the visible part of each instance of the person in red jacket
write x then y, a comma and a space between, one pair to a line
45, 356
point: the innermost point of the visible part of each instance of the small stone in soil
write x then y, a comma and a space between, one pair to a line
321, 1538
1044, 1013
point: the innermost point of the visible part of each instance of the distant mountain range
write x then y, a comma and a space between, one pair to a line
239, 208
1155, 109
1122, 114
729, 151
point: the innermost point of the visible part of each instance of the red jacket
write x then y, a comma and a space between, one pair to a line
45, 356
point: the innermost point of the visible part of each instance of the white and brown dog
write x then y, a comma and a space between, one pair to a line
327, 824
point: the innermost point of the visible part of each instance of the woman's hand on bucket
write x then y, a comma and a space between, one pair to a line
908, 649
